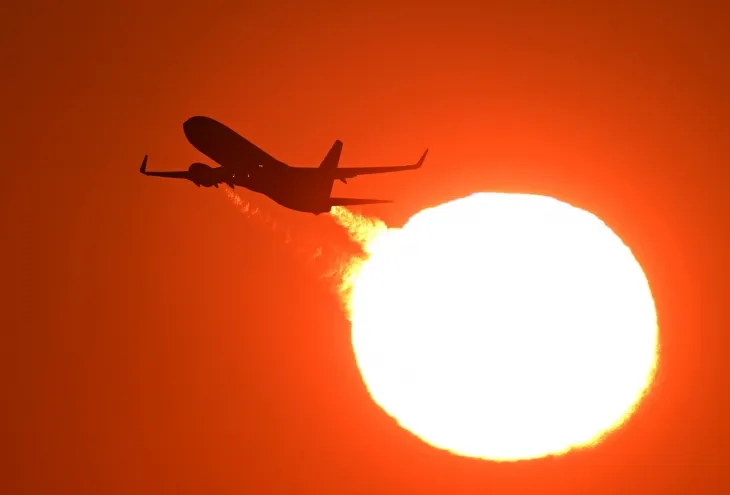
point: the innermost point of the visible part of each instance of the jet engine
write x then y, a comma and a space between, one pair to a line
203, 175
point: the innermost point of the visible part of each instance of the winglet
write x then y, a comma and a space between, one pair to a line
423, 159
143, 168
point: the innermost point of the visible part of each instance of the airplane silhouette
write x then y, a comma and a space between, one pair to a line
305, 189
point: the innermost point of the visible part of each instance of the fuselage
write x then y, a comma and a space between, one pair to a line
244, 164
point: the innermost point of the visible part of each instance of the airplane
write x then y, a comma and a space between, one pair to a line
241, 163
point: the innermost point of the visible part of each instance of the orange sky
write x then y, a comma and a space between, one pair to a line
156, 340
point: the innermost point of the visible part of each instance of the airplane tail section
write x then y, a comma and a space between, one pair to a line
330, 163
356, 201
332, 160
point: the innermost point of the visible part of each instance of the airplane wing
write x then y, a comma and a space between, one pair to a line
348, 173
173, 175
356, 201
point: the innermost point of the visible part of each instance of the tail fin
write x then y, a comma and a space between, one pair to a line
332, 160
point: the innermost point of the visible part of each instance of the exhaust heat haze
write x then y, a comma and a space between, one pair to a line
500, 326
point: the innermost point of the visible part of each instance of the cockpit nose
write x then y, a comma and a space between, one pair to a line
194, 126
213, 139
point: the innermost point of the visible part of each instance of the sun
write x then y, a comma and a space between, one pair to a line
502, 326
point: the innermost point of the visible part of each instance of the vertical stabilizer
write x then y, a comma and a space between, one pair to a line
332, 160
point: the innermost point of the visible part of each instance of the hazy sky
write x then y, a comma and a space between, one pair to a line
157, 340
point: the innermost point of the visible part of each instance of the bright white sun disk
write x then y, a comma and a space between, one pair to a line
504, 326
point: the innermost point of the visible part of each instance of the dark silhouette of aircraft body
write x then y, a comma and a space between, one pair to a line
243, 164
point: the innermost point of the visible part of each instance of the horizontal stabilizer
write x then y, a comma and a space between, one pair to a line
357, 201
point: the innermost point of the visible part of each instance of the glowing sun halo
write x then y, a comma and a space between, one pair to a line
503, 326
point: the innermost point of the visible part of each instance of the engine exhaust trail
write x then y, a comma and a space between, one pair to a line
364, 231
335, 264
298, 245
245, 206
361, 229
